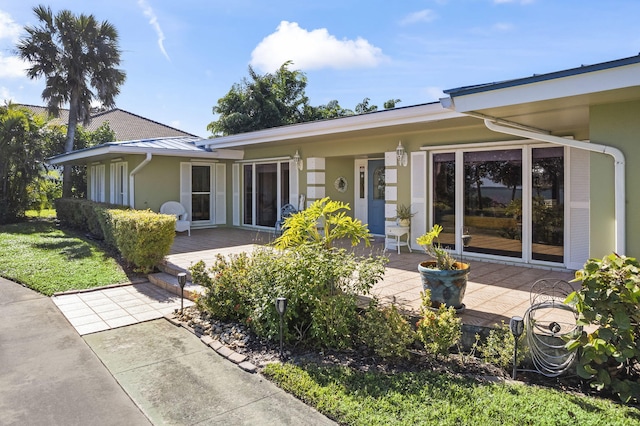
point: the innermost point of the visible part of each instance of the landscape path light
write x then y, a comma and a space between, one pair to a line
281, 307
516, 324
182, 281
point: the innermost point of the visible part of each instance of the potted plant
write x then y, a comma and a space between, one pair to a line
403, 215
445, 277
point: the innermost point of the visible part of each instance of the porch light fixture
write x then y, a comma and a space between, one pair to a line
516, 324
298, 161
401, 155
281, 307
182, 281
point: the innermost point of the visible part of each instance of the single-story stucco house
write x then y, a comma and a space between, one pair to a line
540, 170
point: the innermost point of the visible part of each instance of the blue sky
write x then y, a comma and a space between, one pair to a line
182, 56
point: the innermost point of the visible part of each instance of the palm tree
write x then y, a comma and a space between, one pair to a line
77, 56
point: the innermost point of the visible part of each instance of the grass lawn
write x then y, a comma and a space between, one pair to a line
427, 398
48, 260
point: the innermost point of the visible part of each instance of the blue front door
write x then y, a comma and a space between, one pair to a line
375, 203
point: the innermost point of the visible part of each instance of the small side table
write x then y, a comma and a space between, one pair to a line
393, 233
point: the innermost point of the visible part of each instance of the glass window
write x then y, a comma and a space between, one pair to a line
272, 191
493, 201
444, 196
547, 200
201, 192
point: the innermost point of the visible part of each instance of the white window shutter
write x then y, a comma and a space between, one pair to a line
112, 183
418, 196
220, 194
185, 187
235, 172
577, 240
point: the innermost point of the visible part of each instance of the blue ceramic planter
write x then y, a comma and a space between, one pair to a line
447, 287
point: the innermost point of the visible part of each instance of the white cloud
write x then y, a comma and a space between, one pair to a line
513, 1
153, 20
425, 15
433, 93
503, 26
8, 28
12, 67
312, 50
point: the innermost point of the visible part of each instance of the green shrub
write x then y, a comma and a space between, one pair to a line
438, 329
70, 214
227, 295
321, 287
142, 237
609, 299
87, 216
386, 331
497, 349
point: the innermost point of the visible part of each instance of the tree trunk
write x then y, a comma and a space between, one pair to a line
68, 145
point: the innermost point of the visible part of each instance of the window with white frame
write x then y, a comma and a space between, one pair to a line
266, 189
510, 200
119, 183
97, 185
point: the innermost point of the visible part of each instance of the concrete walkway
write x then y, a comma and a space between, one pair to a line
144, 373
48, 374
177, 380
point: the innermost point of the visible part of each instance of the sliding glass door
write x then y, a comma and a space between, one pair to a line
510, 201
266, 189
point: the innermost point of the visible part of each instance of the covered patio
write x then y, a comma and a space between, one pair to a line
495, 291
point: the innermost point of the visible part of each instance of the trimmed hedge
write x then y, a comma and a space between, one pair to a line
143, 238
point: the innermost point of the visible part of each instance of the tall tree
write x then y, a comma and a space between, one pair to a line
78, 57
261, 102
22, 150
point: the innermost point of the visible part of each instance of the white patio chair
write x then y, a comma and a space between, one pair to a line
176, 209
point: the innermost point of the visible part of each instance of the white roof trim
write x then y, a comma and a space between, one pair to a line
572, 85
124, 150
387, 118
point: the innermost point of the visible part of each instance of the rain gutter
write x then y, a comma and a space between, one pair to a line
132, 178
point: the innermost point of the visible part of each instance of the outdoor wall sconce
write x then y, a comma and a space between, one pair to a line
516, 324
182, 281
297, 160
401, 155
281, 307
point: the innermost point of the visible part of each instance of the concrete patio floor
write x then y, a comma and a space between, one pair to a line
495, 291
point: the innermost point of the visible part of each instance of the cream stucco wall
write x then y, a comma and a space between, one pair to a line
616, 125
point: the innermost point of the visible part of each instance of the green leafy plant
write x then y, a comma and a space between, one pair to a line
609, 299
404, 212
497, 349
386, 331
438, 329
227, 286
323, 222
431, 245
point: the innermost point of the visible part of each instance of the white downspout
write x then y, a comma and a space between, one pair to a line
132, 179
619, 170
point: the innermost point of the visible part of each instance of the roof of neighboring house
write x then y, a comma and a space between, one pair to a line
182, 146
126, 125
